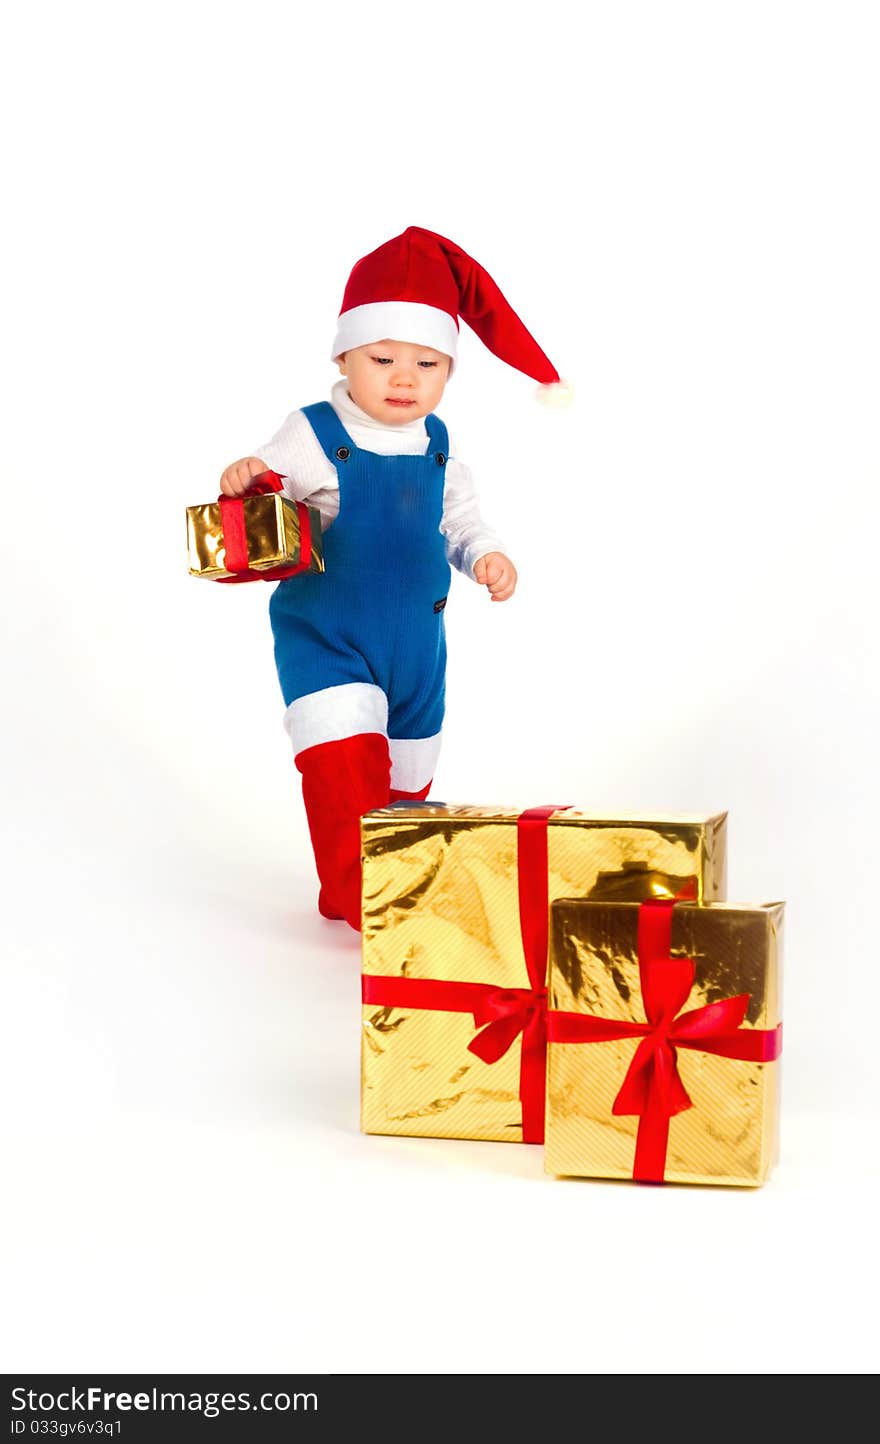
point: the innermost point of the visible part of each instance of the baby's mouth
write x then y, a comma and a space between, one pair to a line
400, 400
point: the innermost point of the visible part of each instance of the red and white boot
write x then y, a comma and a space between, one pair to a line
341, 781
413, 759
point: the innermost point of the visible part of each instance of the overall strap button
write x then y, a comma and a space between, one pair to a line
440, 458
343, 453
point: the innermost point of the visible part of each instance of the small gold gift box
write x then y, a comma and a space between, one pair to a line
268, 536
455, 928
663, 1033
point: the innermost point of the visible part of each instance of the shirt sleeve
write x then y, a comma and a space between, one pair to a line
467, 536
295, 453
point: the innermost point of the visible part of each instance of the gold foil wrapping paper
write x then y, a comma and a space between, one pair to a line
440, 901
730, 1134
272, 527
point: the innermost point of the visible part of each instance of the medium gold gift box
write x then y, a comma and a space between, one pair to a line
455, 924
272, 539
663, 1028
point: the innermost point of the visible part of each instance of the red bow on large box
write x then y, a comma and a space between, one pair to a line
501, 1014
652, 1088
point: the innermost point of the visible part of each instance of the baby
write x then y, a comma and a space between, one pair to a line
361, 648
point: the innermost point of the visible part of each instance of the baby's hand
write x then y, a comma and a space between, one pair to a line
237, 478
497, 572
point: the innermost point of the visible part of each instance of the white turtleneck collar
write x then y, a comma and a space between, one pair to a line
408, 439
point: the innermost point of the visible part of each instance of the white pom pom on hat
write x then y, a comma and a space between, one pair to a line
416, 286
555, 394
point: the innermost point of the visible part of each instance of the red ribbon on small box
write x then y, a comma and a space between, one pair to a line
652, 1088
502, 1014
235, 535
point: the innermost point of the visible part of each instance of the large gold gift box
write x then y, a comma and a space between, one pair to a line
664, 1027
272, 527
455, 974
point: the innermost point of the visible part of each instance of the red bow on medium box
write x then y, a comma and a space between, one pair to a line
501, 1014
235, 535
652, 1089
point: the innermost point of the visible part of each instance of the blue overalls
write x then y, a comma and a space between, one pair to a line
376, 615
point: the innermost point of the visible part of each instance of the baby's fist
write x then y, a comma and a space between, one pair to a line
237, 478
497, 572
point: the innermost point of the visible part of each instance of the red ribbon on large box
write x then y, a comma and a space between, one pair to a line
652, 1088
235, 535
502, 1014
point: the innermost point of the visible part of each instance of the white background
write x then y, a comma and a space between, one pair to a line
681, 202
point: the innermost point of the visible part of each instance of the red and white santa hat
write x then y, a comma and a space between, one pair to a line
415, 287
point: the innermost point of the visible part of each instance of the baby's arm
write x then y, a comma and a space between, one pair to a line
471, 546
294, 453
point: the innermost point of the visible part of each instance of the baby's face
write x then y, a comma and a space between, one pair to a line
395, 381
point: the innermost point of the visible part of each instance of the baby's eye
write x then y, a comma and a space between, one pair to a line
383, 360
427, 363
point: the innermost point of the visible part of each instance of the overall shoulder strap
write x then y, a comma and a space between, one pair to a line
332, 436
438, 437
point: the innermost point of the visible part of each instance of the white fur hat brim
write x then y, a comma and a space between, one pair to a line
396, 321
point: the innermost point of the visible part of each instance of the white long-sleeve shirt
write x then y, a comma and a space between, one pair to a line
295, 453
